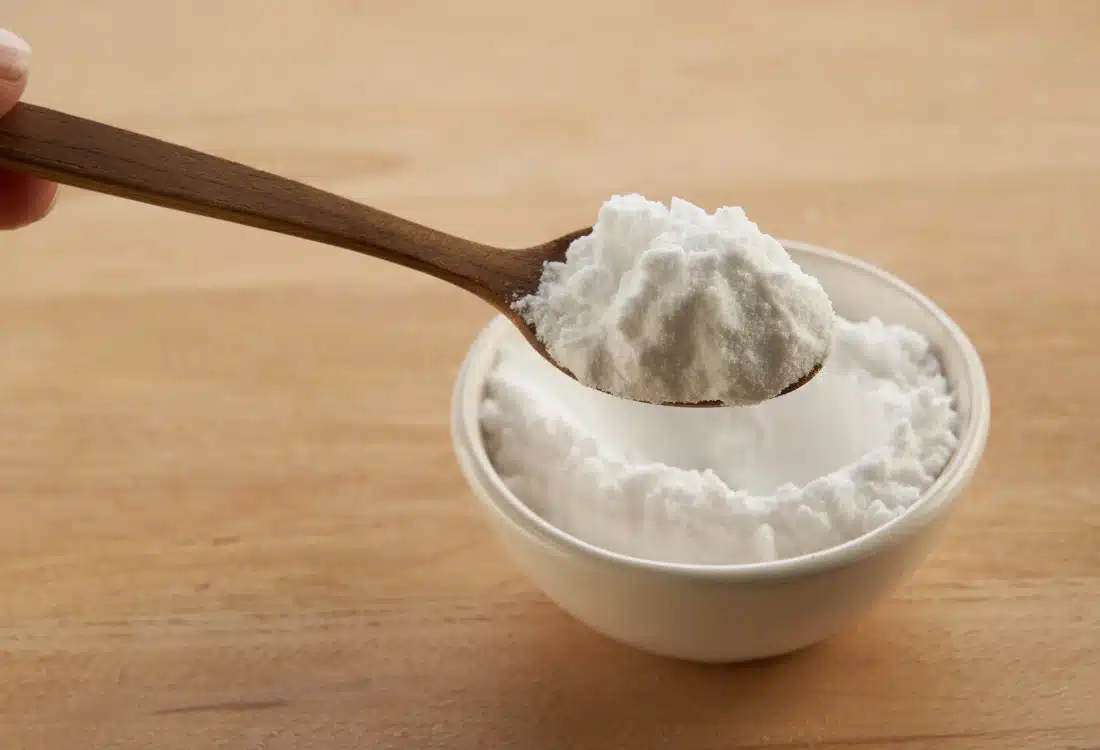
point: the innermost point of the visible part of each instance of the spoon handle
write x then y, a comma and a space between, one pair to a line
105, 159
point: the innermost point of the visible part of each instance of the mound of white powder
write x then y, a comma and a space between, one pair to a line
676, 305
825, 464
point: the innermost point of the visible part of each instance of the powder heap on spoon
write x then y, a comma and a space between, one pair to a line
677, 305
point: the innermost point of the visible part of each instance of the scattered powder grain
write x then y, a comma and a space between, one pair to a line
825, 464
676, 305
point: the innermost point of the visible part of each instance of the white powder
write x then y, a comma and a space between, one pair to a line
825, 464
676, 305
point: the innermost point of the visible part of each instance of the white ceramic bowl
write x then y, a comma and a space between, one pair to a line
738, 612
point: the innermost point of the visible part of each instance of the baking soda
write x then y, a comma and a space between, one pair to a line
846, 453
676, 305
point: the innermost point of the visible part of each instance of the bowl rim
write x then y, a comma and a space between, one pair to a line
488, 487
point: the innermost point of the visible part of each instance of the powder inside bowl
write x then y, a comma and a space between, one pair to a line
677, 305
851, 450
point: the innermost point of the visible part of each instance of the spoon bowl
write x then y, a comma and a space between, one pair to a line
98, 157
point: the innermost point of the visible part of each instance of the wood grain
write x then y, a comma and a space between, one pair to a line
231, 514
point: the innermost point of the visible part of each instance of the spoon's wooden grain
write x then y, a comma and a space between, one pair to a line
91, 155
99, 157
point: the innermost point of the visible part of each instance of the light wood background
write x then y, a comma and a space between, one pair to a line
229, 512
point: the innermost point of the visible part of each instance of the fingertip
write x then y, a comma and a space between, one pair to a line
15, 56
15, 66
24, 199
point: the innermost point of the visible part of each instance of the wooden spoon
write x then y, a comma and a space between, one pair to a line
105, 159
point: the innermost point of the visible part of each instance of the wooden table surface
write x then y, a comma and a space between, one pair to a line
230, 512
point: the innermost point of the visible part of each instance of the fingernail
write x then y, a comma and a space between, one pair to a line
15, 57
